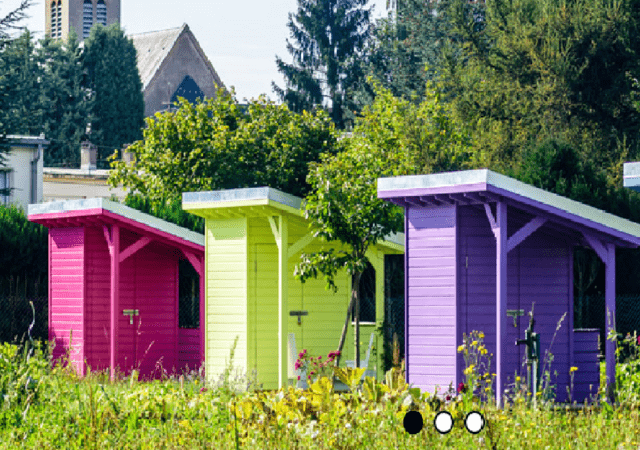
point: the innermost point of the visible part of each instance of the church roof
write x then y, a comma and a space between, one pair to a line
154, 46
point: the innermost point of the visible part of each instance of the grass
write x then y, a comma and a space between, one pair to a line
51, 408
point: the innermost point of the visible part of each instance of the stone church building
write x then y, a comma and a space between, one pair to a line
171, 62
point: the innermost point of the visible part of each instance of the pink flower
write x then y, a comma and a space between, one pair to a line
447, 398
301, 355
461, 388
203, 390
298, 377
319, 358
638, 340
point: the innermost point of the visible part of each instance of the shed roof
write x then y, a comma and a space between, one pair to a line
99, 210
463, 187
213, 204
631, 176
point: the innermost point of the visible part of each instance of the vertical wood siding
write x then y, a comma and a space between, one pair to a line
319, 332
189, 348
226, 285
431, 308
587, 378
67, 293
537, 273
98, 279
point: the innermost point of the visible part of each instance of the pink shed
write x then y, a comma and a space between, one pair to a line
113, 287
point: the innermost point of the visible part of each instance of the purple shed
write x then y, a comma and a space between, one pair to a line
114, 289
478, 244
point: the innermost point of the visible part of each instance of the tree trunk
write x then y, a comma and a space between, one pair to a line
355, 289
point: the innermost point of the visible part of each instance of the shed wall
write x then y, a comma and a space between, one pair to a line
431, 297
98, 273
226, 287
67, 293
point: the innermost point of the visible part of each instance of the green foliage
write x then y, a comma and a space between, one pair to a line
329, 38
166, 209
24, 245
63, 96
217, 145
546, 69
116, 104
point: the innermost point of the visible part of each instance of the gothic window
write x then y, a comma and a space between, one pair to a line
101, 13
87, 18
188, 89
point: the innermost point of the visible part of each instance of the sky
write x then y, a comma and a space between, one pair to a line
241, 38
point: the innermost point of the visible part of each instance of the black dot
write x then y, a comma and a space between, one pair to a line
413, 422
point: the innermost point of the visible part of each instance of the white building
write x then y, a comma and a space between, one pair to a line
22, 171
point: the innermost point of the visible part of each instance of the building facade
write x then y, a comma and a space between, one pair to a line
61, 16
22, 171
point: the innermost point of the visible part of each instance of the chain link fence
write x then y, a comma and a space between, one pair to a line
16, 316
589, 312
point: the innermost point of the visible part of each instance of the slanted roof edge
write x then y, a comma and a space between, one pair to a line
116, 208
412, 184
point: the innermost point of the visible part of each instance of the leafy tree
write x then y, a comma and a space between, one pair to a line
329, 37
116, 104
344, 207
537, 69
166, 209
63, 99
217, 145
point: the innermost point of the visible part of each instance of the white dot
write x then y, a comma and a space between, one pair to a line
474, 422
443, 422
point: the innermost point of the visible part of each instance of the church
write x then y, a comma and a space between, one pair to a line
171, 62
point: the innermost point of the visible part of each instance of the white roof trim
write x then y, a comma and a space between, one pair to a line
120, 209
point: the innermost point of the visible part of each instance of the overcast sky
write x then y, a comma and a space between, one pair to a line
240, 37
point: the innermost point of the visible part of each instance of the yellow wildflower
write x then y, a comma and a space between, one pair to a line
460, 348
481, 335
573, 369
518, 379
474, 343
469, 369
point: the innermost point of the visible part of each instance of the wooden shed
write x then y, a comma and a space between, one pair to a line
479, 244
113, 287
253, 239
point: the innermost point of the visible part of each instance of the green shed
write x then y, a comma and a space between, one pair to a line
253, 240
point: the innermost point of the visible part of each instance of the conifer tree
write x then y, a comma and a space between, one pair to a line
328, 36
64, 100
116, 102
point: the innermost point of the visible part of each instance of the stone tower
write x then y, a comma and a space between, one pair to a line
63, 15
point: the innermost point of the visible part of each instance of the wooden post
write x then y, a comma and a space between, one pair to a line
115, 296
380, 308
283, 305
501, 299
203, 316
610, 301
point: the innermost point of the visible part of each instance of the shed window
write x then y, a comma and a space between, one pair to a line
87, 18
5, 185
189, 291
101, 13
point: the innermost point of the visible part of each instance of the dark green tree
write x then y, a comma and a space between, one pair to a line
64, 100
116, 103
329, 36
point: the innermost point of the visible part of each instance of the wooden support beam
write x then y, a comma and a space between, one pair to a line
501, 300
301, 243
610, 301
473, 197
443, 199
196, 262
107, 237
428, 201
492, 220
413, 202
115, 298
524, 232
274, 229
597, 246
282, 241
460, 199
138, 245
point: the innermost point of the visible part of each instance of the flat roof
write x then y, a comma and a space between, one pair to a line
488, 181
259, 196
43, 211
631, 176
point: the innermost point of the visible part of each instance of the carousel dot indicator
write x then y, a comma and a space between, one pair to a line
413, 422
474, 422
443, 422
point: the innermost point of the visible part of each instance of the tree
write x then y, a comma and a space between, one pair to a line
217, 145
117, 103
344, 207
540, 69
8, 23
64, 100
329, 37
